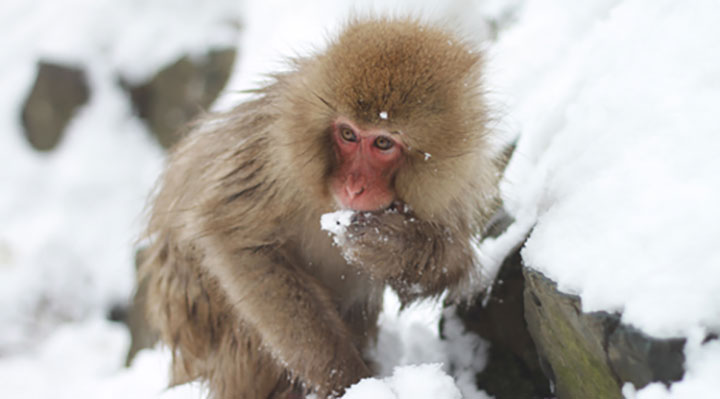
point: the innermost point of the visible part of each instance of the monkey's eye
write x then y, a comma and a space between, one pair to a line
347, 134
383, 143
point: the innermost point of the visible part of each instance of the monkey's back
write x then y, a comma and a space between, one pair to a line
214, 183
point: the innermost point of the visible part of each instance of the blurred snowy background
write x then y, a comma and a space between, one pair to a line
616, 176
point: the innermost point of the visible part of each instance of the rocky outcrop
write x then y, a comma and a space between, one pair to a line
591, 355
180, 91
540, 338
58, 92
513, 369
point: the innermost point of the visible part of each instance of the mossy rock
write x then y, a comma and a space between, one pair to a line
592, 355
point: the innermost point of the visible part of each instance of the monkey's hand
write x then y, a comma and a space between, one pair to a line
417, 258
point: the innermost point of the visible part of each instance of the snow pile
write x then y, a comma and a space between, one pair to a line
409, 382
617, 166
81, 360
410, 338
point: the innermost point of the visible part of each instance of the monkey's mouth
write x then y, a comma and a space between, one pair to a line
398, 206
394, 206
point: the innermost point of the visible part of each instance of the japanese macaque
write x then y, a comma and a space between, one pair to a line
251, 295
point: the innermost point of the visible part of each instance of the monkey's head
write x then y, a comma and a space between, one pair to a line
392, 111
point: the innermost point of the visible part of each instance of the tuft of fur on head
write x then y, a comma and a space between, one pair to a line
417, 80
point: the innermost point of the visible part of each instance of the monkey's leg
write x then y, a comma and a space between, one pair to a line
208, 344
294, 316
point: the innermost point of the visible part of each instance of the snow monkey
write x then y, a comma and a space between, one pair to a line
388, 125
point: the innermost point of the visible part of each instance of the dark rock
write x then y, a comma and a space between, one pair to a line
58, 92
179, 92
636, 358
118, 313
591, 355
507, 377
513, 369
710, 337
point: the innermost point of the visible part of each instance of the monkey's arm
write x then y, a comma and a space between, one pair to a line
417, 258
294, 316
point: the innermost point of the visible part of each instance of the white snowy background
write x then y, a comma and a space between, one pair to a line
617, 104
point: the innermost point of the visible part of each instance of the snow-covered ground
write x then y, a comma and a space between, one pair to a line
617, 167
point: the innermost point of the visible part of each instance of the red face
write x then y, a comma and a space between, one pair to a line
368, 160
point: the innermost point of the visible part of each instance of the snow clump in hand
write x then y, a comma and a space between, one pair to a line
336, 224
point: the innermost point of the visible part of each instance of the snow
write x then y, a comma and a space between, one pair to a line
409, 339
427, 380
70, 216
336, 222
615, 177
62, 368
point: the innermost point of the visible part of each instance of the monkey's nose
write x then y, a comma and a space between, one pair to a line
354, 190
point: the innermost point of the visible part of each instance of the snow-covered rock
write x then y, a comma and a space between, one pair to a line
615, 172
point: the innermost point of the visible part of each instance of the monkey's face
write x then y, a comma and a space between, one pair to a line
367, 161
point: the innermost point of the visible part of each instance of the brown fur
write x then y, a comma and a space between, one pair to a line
244, 286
